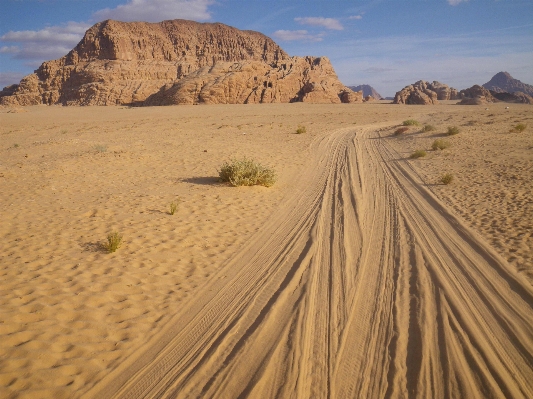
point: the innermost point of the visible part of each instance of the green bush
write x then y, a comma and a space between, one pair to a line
301, 129
447, 178
452, 131
114, 241
440, 144
401, 130
410, 122
428, 128
246, 172
418, 154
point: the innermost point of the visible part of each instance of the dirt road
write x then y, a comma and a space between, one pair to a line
361, 285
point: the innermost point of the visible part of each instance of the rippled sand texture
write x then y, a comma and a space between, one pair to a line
353, 276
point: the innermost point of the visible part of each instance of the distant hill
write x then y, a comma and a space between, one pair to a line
367, 91
504, 82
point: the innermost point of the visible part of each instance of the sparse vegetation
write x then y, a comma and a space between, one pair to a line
519, 128
418, 154
16, 146
246, 172
301, 129
447, 178
401, 130
114, 241
428, 128
452, 131
440, 144
174, 206
100, 148
410, 122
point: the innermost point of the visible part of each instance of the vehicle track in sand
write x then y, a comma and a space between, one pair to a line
361, 285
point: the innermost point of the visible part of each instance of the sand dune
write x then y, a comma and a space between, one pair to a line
354, 276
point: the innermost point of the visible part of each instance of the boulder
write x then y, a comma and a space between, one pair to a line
469, 96
425, 93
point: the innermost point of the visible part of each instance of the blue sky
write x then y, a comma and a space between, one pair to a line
385, 43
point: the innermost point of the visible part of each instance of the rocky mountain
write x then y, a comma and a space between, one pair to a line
424, 93
367, 91
175, 62
504, 82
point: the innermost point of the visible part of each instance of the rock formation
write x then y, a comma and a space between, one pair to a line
424, 93
367, 91
504, 82
296, 79
176, 62
515, 97
476, 95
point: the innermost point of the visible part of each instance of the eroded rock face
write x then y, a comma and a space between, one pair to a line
425, 93
177, 62
305, 79
503, 82
515, 97
469, 95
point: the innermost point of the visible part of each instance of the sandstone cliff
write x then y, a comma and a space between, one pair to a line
367, 91
128, 63
424, 93
297, 79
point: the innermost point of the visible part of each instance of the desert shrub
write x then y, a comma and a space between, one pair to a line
440, 144
418, 154
452, 131
410, 122
301, 129
428, 128
114, 241
174, 206
246, 172
16, 146
401, 130
519, 128
447, 178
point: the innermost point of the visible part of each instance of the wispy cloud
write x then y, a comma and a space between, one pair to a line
328, 23
355, 17
456, 2
290, 35
48, 43
157, 10
9, 78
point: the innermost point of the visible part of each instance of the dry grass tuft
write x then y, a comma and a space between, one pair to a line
174, 206
452, 131
519, 128
418, 154
428, 128
114, 241
440, 144
410, 122
246, 172
446, 179
301, 129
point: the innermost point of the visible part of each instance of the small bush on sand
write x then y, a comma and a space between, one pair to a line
519, 128
100, 148
173, 206
428, 128
246, 172
447, 178
418, 154
410, 122
301, 129
114, 241
440, 144
452, 131
401, 130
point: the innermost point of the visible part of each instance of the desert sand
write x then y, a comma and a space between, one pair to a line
358, 274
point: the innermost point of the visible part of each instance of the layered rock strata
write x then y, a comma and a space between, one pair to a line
176, 62
425, 93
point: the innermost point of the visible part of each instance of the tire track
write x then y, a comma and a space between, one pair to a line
361, 285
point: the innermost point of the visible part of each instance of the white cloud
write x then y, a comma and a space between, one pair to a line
455, 2
355, 17
328, 23
157, 10
45, 44
289, 35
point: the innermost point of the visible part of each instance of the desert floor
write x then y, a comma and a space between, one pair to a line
358, 274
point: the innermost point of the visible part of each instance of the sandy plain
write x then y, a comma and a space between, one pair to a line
356, 275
